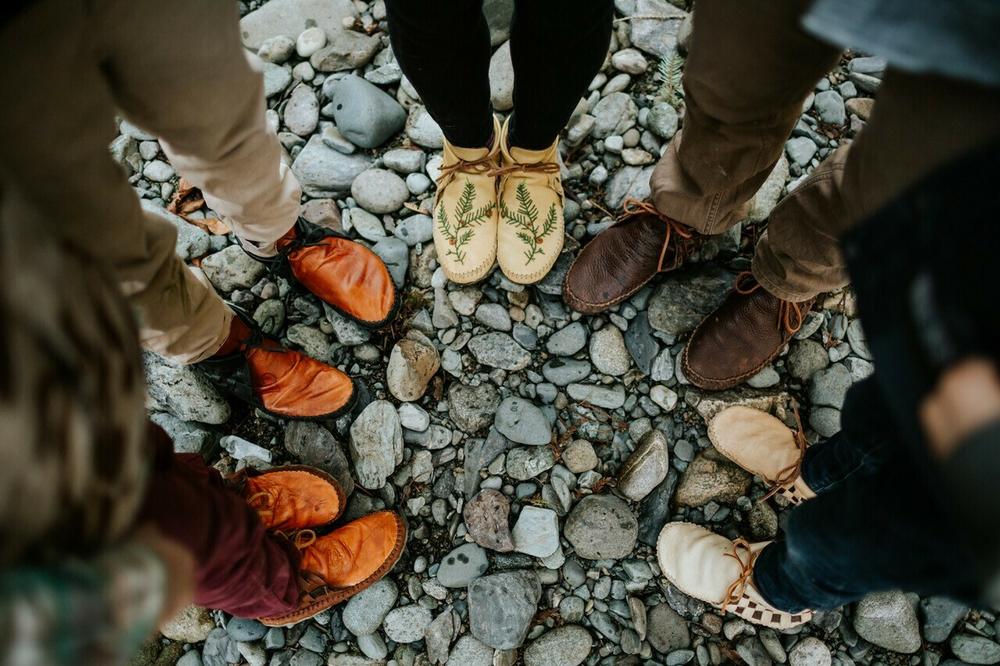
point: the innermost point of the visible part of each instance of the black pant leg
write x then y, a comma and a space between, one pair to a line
557, 47
443, 48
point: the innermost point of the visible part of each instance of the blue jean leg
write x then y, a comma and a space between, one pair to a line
862, 447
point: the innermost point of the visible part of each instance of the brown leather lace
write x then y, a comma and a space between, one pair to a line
786, 477
790, 315
738, 587
536, 167
633, 207
301, 539
265, 508
482, 166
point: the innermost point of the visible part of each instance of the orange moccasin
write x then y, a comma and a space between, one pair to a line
295, 498
343, 273
344, 562
291, 384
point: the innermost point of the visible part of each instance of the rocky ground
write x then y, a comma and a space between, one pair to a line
535, 452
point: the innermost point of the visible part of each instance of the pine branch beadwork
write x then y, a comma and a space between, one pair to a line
466, 218
525, 218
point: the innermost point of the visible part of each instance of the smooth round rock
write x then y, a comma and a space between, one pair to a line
568, 645
379, 191
309, 41
407, 624
602, 527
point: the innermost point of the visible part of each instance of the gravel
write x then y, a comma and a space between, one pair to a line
566, 493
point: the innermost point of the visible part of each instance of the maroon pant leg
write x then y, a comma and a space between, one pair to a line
240, 568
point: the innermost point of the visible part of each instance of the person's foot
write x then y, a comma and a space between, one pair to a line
765, 447
295, 497
713, 569
335, 567
531, 232
343, 273
744, 334
465, 212
624, 257
279, 381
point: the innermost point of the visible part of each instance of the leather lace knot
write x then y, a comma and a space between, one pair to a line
301, 539
786, 477
742, 553
790, 315
674, 229
483, 166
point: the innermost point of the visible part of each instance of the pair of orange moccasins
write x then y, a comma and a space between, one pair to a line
299, 502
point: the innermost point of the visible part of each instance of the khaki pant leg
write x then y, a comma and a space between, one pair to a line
918, 124
749, 70
179, 70
58, 122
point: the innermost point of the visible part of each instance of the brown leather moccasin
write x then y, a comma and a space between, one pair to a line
625, 256
745, 333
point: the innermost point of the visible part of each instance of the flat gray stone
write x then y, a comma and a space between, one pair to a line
941, 616
291, 17
232, 268
655, 27
314, 445
469, 651
424, 130
829, 387
536, 532
182, 392
346, 50
975, 649
522, 422
889, 620
502, 79
527, 462
499, 350
646, 468
608, 397
711, 477
365, 611
565, 371
501, 607
376, 444
568, 340
630, 182
614, 114
301, 114
683, 301
472, 407
666, 630
323, 171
